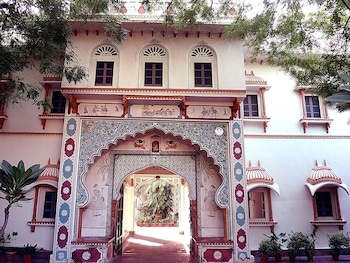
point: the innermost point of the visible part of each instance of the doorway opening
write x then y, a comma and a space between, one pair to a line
156, 212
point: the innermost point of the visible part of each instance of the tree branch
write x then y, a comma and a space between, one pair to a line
346, 4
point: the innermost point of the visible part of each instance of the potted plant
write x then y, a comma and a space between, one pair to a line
28, 252
295, 243
271, 246
300, 243
310, 246
13, 180
5, 248
337, 242
264, 250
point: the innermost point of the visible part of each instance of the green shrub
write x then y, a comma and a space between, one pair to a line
272, 245
300, 243
338, 241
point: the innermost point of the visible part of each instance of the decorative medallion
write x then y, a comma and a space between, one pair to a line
89, 127
62, 236
240, 216
238, 171
67, 168
217, 255
219, 131
170, 144
86, 255
64, 213
236, 129
241, 239
239, 193
139, 144
61, 255
66, 190
69, 147
71, 127
237, 149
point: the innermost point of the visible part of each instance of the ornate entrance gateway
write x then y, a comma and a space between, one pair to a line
198, 152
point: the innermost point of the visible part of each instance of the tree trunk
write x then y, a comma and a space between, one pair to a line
7, 213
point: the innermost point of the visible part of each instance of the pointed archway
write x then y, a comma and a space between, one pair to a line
138, 216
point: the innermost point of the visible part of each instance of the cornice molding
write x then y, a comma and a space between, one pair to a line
248, 136
290, 136
32, 133
151, 92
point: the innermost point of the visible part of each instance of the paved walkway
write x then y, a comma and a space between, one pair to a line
165, 245
155, 245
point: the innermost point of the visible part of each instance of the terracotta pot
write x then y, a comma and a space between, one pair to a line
278, 258
292, 257
27, 259
264, 258
10, 256
335, 256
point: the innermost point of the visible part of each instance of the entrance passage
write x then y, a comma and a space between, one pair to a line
155, 245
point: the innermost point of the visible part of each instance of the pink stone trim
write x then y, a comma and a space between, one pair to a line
289, 136
321, 174
251, 79
258, 174
32, 133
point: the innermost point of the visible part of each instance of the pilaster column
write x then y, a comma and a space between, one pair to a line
238, 194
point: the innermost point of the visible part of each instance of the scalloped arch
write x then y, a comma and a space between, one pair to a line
199, 134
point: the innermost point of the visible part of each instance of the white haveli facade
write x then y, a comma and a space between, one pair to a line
246, 149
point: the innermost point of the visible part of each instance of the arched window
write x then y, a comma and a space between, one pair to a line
323, 184
259, 186
45, 197
154, 66
203, 67
104, 66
